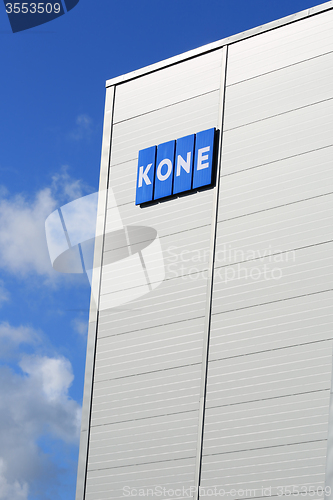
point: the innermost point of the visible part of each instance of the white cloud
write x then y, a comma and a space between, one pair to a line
12, 337
34, 405
54, 375
17, 335
11, 491
83, 129
23, 248
80, 326
66, 189
22, 242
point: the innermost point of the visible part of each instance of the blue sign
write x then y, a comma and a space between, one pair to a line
182, 176
175, 167
203, 160
146, 175
164, 169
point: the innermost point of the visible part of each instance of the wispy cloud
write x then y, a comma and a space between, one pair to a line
83, 128
65, 189
23, 248
80, 326
11, 338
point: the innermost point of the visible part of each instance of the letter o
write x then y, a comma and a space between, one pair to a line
160, 176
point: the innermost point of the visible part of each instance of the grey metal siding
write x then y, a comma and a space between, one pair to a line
102, 484
148, 356
180, 82
269, 355
287, 45
161, 125
274, 325
267, 467
270, 363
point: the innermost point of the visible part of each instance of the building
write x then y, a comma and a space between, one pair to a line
210, 352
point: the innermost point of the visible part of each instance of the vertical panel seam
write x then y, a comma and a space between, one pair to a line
210, 279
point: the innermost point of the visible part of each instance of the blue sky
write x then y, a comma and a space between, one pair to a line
51, 113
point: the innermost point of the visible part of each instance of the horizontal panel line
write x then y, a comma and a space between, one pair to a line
280, 69
262, 258
160, 237
279, 114
266, 447
277, 206
166, 280
275, 161
275, 301
271, 350
214, 46
147, 373
148, 447
187, 422
174, 196
145, 418
158, 439
251, 431
163, 107
143, 463
267, 399
154, 326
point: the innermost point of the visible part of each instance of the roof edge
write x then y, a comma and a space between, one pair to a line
317, 9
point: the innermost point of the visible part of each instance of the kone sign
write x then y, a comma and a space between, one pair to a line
175, 166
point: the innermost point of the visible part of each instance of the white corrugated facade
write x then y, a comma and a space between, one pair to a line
221, 375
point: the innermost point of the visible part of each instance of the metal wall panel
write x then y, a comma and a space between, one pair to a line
271, 422
271, 334
183, 253
281, 47
184, 213
270, 232
297, 464
280, 183
175, 300
148, 361
145, 394
273, 374
308, 270
279, 137
162, 125
280, 91
105, 486
160, 89
168, 437
122, 433
272, 326
166, 346
270, 347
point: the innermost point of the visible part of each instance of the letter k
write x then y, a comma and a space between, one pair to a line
143, 175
